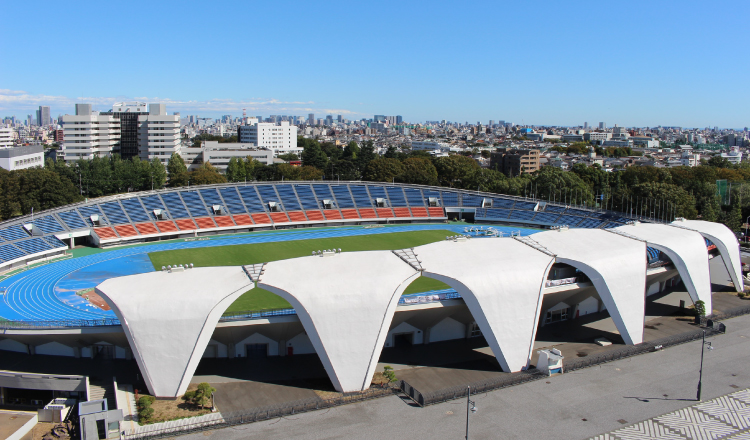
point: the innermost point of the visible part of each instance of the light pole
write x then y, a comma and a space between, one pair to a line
700, 373
470, 408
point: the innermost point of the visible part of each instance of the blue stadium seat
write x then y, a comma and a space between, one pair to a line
33, 245
343, 197
268, 194
322, 192
450, 198
496, 213
396, 195
524, 205
72, 219
54, 241
211, 197
174, 205
152, 203
414, 196
233, 201
194, 203
546, 217
88, 211
48, 224
251, 199
579, 212
9, 252
306, 196
653, 254
590, 223
13, 233
135, 210
428, 193
288, 198
361, 196
554, 208
378, 192
569, 220
521, 215
471, 200
114, 213
502, 203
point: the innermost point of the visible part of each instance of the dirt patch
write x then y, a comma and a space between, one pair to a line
378, 381
174, 409
93, 298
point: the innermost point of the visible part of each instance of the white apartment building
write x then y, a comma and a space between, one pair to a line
19, 158
88, 134
430, 146
6, 137
219, 154
280, 139
688, 158
158, 134
734, 156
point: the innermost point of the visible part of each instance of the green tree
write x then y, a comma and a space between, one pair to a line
236, 170
552, 183
657, 199
203, 394
453, 170
483, 179
366, 154
289, 157
418, 170
207, 174
383, 170
351, 151
157, 173
313, 155
177, 171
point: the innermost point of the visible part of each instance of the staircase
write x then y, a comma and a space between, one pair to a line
103, 390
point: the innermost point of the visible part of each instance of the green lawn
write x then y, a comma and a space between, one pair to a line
258, 299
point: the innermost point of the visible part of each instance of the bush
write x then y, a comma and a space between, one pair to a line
145, 412
700, 308
389, 373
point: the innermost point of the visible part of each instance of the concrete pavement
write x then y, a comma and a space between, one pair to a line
577, 405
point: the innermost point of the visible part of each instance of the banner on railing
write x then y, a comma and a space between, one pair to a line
560, 282
425, 298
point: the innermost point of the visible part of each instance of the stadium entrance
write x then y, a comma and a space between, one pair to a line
463, 214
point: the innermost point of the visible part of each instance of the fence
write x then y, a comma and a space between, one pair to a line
57, 324
507, 380
260, 414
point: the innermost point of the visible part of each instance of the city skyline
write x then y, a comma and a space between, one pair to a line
542, 64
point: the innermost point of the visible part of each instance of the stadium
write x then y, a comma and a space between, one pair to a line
339, 270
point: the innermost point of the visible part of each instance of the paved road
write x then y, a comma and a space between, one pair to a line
573, 406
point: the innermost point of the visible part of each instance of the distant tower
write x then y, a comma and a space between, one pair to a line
244, 116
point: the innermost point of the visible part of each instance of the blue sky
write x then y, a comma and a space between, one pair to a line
556, 63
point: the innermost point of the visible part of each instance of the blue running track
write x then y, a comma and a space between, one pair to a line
47, 292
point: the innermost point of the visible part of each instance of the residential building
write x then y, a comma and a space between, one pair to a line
513, 161
127, 113
88, 134
734, 156
687, 157
596, 136
280, 139
19, 158
158, 134
6, 137
430, 146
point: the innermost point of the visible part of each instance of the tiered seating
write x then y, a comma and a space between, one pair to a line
385, 212
134, 210
13, 233
307, 197
590, 223
105, 233
242, 220
361, 196
48, 224
33, 245
396, 196
146, 228
232, 200
194, 203
205, 223
524, 205
350, 214
419, 212
502, 203
378, 192
297, 216
428, 193
343, 197
185, 224
414, 196
55, 242
268, 194
653, 254
401, 212
322, 192
9, 252
152, 203
314, 215
497, 213
166, 226
569, 220
224, 221
174, 204
546, 217
261, 218
251, 199
72, 219
521, 215
553, 208
114, 213
288, 198
211, 197
279, 217
126, 231
436, 212
88, 211
332, 214
449, 198
367, 213
472, 200
578, 212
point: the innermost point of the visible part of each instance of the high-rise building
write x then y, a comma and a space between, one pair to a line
329, 120
88, 134
127, 113
42, 116
378, 118
339, 119
585, 125
311, 119
399, 119
158, 134
6, 137
602, 126
280, 138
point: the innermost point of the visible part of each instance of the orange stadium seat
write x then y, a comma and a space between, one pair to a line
367, 213
419, 212
279, 217
224, 221
332, 214
385, 212
205, 223
126, 231
314, 215
243, 220
402, 212
261, 218
105, 233
185, 224
436, 212
297, 216
166, 226
350, 214
146, 228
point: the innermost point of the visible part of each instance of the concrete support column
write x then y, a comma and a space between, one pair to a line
31, 349
231, 351
282, 347
93, 351
426, 335
77, 352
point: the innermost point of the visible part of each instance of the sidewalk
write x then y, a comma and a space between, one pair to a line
130, 413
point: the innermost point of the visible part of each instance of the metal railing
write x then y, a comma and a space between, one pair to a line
256, 314
264, 413
57, 324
